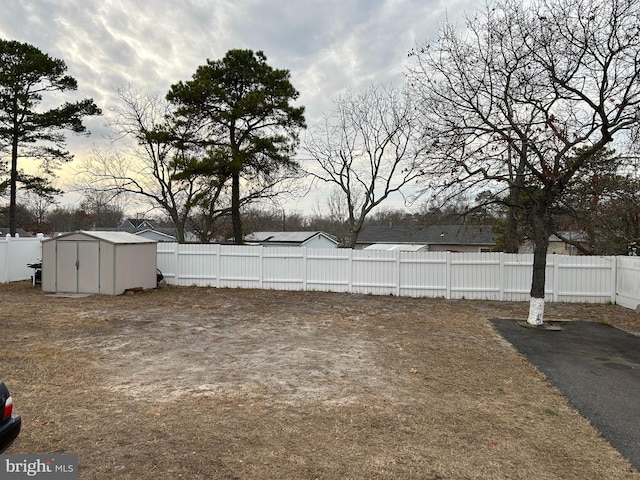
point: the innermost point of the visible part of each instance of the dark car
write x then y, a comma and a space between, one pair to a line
9, 423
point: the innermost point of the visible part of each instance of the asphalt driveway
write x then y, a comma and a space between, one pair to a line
596, 367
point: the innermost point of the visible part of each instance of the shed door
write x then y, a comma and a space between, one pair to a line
78, 267
88, 267
66, 275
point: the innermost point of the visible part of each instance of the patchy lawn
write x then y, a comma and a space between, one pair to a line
202, 383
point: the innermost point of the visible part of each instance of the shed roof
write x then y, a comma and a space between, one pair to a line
108, 236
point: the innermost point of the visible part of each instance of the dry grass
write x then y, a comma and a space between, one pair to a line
201, 383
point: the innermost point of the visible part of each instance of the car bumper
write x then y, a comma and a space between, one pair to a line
9, 432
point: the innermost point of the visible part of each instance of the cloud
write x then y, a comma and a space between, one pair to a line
328, 45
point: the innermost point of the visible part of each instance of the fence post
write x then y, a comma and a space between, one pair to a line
556, 275
614, 279
501, 278
10, 254
397, 279
218, 271
176, 264
350, 261
261, 266
448, 276
7, 256
305, 272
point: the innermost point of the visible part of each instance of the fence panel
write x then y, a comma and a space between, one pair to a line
584, 279
628, 282
423, 275
517, 270
476, 276
284, 268
15, 254
240, 267
374, 272
198, 265
167, 261
329, 270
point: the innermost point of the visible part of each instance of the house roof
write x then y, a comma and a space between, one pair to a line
142, 226
168, 233
285, 237
432, 234
135, 224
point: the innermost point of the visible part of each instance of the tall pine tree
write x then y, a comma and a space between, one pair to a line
26, 74
247, 121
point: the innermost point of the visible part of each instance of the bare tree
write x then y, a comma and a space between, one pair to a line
39, 206
150, 163
102, 210
525, 98
368, 147
332, 216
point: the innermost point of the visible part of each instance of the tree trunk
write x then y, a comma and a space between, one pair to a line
235, 209
511, 233
353, 238
541, 223
13, 186
179, 225
515, 187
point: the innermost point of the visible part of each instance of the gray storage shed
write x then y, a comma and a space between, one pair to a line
98, 262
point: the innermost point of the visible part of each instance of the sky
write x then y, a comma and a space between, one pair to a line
329, 46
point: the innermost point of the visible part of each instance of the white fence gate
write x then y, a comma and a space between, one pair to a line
487, 276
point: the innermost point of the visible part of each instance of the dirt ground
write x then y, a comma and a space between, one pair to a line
203, 383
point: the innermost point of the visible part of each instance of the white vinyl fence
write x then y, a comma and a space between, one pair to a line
487, 276
628, 282
15, 254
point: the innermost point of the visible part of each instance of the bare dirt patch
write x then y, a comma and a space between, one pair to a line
201, 383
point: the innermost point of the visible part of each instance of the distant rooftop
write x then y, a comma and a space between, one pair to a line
285, 237
432, 234
21, 233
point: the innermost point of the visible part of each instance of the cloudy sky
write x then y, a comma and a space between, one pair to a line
327, 45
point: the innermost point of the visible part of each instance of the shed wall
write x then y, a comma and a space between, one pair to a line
49, 266
107, 270
135, 266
